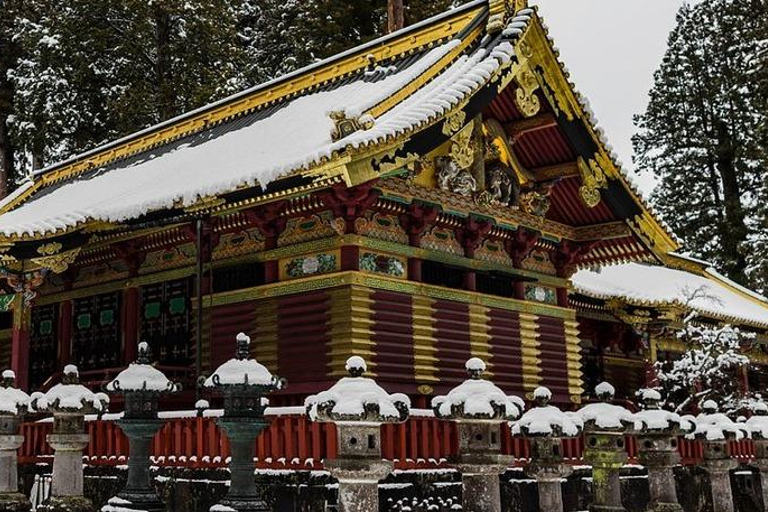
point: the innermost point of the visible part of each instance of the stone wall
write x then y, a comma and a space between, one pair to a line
185, 490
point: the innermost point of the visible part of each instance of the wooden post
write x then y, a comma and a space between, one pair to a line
65, 333
131, 323
22, 322
395, 15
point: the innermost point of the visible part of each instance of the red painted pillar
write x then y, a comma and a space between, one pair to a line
131, 324
562, 297
414, 269
22, 320
350, 258
64, 333
470, 280
519, 290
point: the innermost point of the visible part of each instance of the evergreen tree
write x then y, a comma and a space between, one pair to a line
701, 133
93, 71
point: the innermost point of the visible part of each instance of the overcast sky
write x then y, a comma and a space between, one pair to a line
612, 48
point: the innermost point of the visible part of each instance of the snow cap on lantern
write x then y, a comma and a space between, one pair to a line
477, 399
243, 371
70, 396
357, 399
603, 415
13, 401
654, 419
715, 426
758, 423
545, 420
141, 376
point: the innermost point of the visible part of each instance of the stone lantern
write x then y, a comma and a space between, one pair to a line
69, 402
605, 426
142, 385
716, 430
657, 433
14, 403
242, 382
479, 408
757, 426
546, 426
358, 406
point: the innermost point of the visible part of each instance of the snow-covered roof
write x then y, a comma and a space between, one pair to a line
265, 145
357, 399
708, 293
477, 399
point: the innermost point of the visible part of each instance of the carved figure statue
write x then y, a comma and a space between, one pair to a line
452, 178
503, 188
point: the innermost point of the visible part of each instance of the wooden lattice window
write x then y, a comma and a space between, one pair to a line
43, 344
96, 332
165, 321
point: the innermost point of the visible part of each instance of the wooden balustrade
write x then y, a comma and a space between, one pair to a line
294, 442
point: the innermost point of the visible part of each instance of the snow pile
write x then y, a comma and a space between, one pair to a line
476, 398
295, 136
716, 426
13, 401
645, 284
604, 415
243, 371
757, 425
546, 420
116, 504
70, 395
357, 398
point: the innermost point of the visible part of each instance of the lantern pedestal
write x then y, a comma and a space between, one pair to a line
549, 480
67, 482
358, 482
606, 453
480, 464
243, 495
11, 500
718, 465
139, 492
761, 463
659, 456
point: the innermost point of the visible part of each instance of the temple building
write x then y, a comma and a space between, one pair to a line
440, 193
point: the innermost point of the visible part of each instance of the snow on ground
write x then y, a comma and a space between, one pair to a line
650, 284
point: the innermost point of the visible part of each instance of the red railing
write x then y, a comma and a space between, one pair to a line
294, 442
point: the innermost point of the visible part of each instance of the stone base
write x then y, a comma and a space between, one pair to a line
143, 502
14, 502
665, 507
68, 504
606, 508
243, 505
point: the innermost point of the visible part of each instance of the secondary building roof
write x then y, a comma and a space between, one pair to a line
703, 290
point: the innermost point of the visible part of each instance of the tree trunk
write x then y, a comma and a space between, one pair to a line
6, 156
166, 97
734, 230
395, 15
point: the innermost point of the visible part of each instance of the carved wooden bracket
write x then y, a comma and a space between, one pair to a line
416, 221
130, 252
270, 220
521, 245
350, 203
569, 255
471, 235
